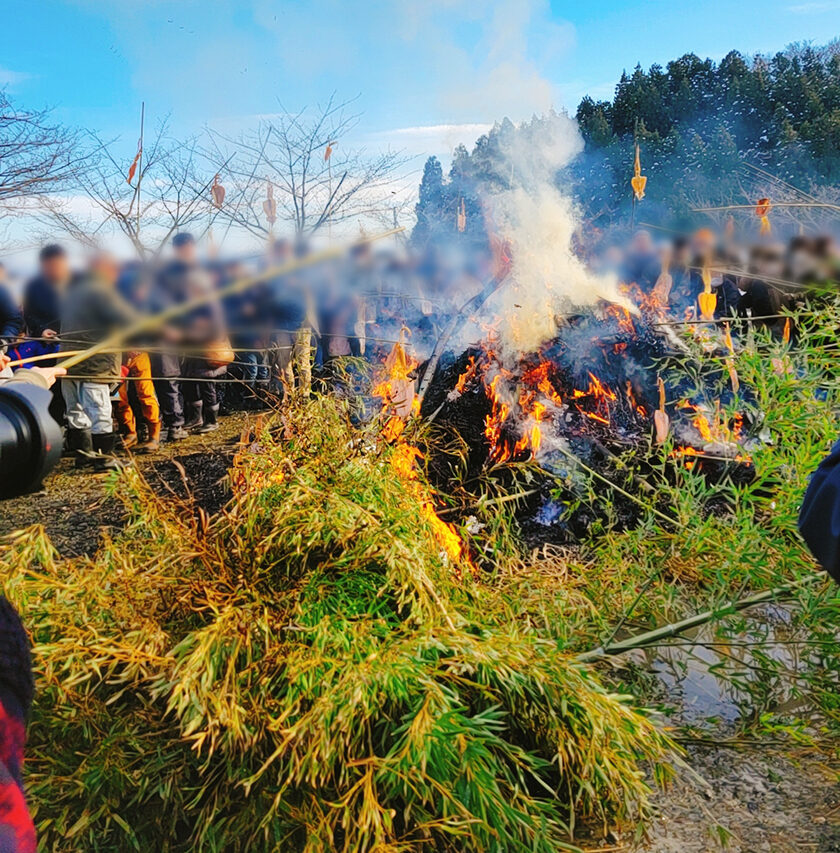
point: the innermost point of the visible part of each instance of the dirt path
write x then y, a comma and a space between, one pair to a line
757, 800
76, 509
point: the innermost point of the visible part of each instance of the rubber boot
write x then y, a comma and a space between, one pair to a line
176, 433
129, 440
152, 443
80, 442
194, 415
104, 445
211, 421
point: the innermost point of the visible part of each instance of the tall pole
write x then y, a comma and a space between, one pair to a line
329, 188
140, 173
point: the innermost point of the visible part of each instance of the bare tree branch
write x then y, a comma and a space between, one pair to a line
312, 191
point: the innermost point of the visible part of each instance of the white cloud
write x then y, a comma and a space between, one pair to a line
815, 8
13, 78
438, 139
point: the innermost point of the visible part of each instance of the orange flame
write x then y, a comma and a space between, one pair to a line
404, 460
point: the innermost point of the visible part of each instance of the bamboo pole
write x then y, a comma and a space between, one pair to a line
155, 321
458, 318
774, 204
672, 629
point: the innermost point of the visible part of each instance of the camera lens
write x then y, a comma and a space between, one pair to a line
30, 440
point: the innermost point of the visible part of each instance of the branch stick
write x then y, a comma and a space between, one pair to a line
672, 629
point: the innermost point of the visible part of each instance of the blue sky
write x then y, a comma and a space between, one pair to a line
448, 65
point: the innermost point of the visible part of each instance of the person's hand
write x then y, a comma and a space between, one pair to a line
4, 360
49, 373
49, 333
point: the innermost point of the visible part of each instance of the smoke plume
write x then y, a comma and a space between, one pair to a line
539, 220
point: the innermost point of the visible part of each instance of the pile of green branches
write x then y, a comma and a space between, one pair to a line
306, 671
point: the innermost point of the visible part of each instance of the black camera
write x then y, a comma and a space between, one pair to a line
30, 440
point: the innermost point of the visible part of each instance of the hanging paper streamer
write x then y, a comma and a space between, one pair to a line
462, 216
730, 362
133, 167
270, 205
786, 332
762, 208
218, 192
707, 300
638, 181
661, 421
329, 150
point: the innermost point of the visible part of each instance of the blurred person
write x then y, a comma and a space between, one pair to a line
725, 287
763, 297
200, 332
11, 316
294, 317
137, 391
801, 262
138, 403
247, 315
91, 310
42, 295
641, 265
42, 298
17, 689
687, 283
170, 289
17, 685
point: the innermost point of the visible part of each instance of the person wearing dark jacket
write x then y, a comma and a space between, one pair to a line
42, 294
11, 317
248, 318
819, 517
92, 309
200, 332
42, 297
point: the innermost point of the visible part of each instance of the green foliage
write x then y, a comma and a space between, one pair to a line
309, 671
727, 537
697, 122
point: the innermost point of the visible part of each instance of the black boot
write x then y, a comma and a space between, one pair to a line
80, 442
104, 445
194, 414
210, 421
175, 433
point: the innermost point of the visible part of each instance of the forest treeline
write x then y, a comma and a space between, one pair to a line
709, 134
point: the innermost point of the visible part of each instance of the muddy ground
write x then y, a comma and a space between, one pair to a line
742, 798
76, 510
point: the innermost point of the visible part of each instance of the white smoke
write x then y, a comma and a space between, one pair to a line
539, 219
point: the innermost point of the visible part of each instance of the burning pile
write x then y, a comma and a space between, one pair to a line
592, 393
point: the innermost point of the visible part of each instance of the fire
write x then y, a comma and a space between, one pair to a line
601, 395
621, 314
715, 427
688, 454
396, 389
466, 376
404, 460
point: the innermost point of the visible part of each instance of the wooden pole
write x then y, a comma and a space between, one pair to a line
140, 173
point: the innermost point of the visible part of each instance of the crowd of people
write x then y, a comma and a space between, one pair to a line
756, 281
218, 346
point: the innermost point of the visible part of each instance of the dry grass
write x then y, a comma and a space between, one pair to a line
308, 671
